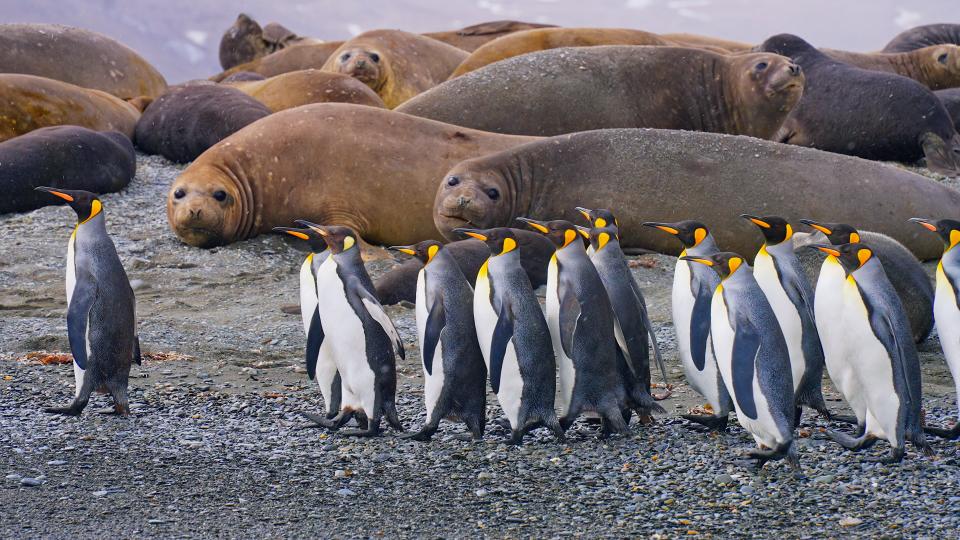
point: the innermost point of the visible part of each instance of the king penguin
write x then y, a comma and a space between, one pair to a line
598, 218
453, 369
321, 365
101, 308
581, 324
881, 352
753, 358
362, 338
514, 337
779, 274
946, 304
693, 286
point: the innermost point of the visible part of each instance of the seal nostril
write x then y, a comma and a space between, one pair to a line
794, 69
462, 202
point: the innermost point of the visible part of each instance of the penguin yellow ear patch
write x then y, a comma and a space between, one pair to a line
95, 208
431, 252
854, 238
600, 223
954, 237
509, 244
734, 264
863, 255
603, 239
789, 232
569, 235
699, 235
348, 242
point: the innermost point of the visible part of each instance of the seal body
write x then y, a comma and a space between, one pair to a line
577, 89
935, 67
305, 56
304, 87
472, 37
707, 42
246, 41
77, 56
63, 157
913, 123
187, 120
654, 173
396, 65
924, 36
232, 192
28, 102
951, 101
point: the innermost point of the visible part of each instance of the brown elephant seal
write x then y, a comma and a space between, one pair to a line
187, 120
396, 65
542, 39
951, 101
66, 157
924, 36
668, 176
582, 88
310, 56
865, 113
473, 37
308, 86
400, 283
935, 67
331, 163
246, 41
707, 42
28, 103
79, 57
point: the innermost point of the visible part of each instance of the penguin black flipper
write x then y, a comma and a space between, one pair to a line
314, 340
368, 302
84, 293
569, 313
886, 332
137, 356
700, 322
648, 324
746, 347
436, 320
502, 334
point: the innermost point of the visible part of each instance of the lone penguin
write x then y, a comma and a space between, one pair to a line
753, 358
363, 340
101, 308
780, 275
455, 376
946, 304
514, 337
693, 286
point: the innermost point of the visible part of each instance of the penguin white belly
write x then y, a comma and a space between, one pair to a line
484, 316
511, 386
704, 382
485, 319
432, 383
71, 283
763, 428
567, 374
308, 293
828, 311
872, 366
785, 311
947, 316
343, 329
326, 373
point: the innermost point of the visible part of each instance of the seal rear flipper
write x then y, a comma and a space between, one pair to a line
436, 320
314, 341
942, 156
746, 347
502, 334
78, 314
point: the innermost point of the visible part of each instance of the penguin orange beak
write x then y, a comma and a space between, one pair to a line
62, 195
292, 232
925, 223
663, 227
584, 212
817, 226
829, 250
538, 225
403, 249
756, 221
707, 262
472, 233
318, 228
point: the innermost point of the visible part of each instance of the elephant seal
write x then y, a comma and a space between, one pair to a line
668, 176
907, 275
330, 163
924, 36
578, 89
396, 65
66, 157
188, 119
473, 37
79, 57
28, 103
542, 39
310, 56
935, 67
707, 42
246, 41
308, 86
951, 101
865, 113
400, 283
243, 76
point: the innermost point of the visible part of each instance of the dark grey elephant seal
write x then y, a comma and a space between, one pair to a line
951, 101
246, 41
668, 176
66, 157
187, 120
577, 89
865, 113
924, 36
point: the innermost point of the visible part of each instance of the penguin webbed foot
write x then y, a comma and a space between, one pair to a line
949, 434
424, 435
850, 443
65, 411
786, 452
373, 430
713, 423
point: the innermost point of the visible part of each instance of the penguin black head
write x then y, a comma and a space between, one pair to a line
850, 256
690, 232
775, 229
500, 240
600, 217
725, 263
311, 237
338, 238
837, 233
947, 229
558, 231
84, 203
425, 251
601, 236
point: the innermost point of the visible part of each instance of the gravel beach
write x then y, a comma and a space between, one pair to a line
213, 447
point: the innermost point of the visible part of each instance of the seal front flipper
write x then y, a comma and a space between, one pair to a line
314, 342
746, 347
78, 314
502, 334
436, 320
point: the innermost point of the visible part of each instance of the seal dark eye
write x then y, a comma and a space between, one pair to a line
220, 195
453, 180
493, 193
345, 57
179, 194
942, 58
761, 66
375, 57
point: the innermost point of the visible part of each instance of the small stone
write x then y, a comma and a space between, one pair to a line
345, 492
101, 493
481, 492
484, 476
155, 521
57, 462
13, 476
850, 522
340, 473
139, 284
31, 482
825, 479
723, 479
